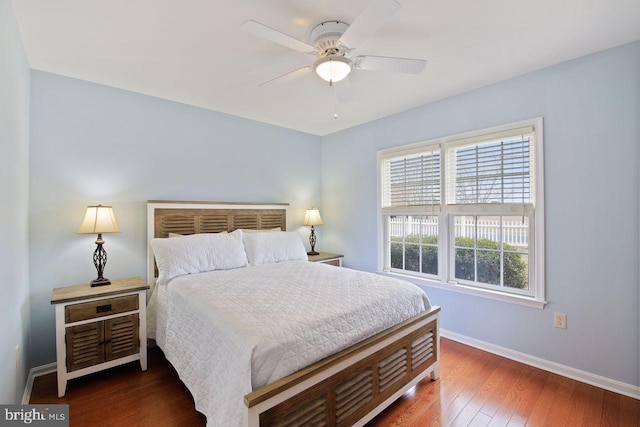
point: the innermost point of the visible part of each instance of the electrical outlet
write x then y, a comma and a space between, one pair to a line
560, 320
17, 356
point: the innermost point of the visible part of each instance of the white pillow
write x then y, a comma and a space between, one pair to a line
268, 248
198, 253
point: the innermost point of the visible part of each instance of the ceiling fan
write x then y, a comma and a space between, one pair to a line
333, 43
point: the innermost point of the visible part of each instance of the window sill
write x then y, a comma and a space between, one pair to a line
469, 290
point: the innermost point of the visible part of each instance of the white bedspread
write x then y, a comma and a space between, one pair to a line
228, 332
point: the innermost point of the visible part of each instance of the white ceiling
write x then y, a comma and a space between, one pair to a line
194, 52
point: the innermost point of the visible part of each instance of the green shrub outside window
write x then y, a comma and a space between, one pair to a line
516, 269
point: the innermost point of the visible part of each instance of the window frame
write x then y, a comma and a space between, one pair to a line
535, 297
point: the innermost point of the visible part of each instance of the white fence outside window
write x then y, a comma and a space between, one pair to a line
515, 231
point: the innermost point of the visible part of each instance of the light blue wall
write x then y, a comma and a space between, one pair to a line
591, 111
94, 144
14, 185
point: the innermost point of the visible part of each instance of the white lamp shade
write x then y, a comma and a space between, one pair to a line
99, 219
333, 68
312, 217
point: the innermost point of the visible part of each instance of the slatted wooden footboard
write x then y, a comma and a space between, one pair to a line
353, 386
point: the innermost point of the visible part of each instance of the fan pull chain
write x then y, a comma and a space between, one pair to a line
335, 101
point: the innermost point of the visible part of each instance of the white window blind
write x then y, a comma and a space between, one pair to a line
493, 169
410, 181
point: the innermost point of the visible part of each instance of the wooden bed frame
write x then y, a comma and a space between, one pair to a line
348, 388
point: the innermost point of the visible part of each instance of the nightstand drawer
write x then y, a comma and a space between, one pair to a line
104, 307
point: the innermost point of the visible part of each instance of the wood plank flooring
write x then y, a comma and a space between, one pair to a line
475, 388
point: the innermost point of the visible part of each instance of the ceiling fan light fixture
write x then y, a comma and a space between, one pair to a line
332, 68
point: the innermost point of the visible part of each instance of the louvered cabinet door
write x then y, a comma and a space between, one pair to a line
121, 337
85, 345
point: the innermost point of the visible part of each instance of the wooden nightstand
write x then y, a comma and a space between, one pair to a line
100, 327
327, 258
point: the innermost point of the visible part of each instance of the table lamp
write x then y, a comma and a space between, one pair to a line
312, 217
99, 219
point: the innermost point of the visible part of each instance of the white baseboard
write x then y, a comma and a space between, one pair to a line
546, 365
33, 373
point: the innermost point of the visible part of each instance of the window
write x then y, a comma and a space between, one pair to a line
414, 243
466, 211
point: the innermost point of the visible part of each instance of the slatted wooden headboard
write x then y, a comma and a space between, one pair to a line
164, 217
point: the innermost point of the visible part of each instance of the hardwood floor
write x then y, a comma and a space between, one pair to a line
475, 389
124, 396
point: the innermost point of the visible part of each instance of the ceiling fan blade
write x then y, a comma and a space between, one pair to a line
289, 76
368, 22
394, 65
260, 30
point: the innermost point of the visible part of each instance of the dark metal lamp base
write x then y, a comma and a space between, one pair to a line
100, 282
100, 260
312, 242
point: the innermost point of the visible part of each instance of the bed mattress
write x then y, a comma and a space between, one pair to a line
230, 332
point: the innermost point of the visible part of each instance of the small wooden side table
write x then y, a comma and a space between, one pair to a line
327, 258
99, 328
